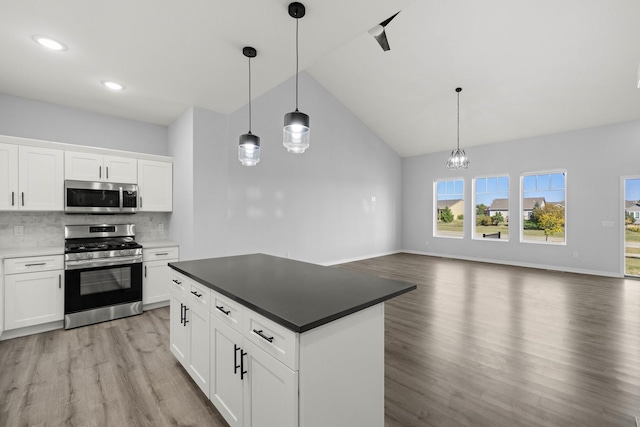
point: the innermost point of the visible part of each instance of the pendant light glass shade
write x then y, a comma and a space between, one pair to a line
249, 149
296, 132
296, 135
249, 144
458, 158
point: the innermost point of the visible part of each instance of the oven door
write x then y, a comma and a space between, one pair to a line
96, 287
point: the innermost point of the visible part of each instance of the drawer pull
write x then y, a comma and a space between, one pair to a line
35, 264
259, 333
162, 254
196, 294
221, 308
177, 282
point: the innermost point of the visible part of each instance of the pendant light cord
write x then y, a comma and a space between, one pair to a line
458, 120
297, 19
249, 95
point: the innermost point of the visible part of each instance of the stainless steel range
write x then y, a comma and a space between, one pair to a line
103, 273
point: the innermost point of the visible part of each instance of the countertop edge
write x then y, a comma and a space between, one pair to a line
286, 323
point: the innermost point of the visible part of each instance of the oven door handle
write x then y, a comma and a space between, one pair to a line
84, 264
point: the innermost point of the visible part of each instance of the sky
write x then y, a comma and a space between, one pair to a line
632, 189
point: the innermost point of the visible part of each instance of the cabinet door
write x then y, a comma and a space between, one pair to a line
34, 298
198, 329
8, 177
41, 179
155, 184
178, 336
120, 169
83, 166
155, 282
226, 391
270, 390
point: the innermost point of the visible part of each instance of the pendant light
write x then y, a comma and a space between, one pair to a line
296, 124
458, 158
249, 145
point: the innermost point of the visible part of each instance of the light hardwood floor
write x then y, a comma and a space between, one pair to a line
475, 345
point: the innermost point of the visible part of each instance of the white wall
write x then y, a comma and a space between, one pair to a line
314, 207
594, 159
27, 118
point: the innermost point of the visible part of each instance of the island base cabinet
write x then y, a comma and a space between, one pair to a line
249, 387
342, 372
189, 339
270, 391
226, 391
178, 336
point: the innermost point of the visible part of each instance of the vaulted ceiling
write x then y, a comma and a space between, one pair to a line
526, 68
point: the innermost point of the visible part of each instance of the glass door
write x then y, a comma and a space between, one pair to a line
631, 226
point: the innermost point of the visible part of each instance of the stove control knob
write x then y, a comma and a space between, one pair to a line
89, 255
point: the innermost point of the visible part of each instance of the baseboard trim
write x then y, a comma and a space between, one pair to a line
360, 258
520, 264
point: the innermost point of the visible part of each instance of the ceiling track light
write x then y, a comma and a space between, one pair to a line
458, 158
249, 144
296, 124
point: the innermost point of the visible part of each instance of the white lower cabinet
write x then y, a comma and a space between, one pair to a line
155, 286
248, 386
226, 383
189, 336
270, 390
34, 291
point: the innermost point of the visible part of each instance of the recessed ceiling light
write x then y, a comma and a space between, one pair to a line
112, 85
49, 43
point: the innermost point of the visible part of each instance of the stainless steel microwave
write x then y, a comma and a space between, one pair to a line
100, 197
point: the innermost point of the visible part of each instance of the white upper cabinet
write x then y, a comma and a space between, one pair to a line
31, 178
155, 186
96, 167
8, 177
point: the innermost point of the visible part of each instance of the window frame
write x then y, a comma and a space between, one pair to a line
474, 203
435, 207
521, 203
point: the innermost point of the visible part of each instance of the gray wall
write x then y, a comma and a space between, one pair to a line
26, 118
595, 160
314, 207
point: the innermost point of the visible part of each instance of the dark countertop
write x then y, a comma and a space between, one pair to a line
297, 295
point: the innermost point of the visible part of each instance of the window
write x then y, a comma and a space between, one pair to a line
449, 208
491, 213
543, 207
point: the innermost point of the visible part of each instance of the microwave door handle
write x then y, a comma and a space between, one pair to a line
120, 192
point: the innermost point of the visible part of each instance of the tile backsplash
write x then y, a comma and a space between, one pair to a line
43, 229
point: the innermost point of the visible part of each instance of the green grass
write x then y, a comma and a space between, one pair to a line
631, 236
632, 266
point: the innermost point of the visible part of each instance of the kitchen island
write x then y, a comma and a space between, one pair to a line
277, 342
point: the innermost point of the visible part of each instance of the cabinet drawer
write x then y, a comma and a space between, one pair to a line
160, 254
227, 310
278, 341
179, 283
33, 264
200, 294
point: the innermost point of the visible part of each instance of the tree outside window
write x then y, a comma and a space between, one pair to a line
449, 208
491, 219
543, 207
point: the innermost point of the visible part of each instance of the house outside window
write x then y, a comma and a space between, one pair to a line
491, 213
543, 204
449, 208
